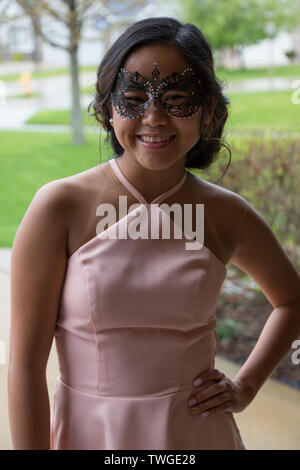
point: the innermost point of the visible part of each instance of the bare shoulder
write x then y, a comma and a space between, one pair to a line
214, 194
70, 194
44, 224
68, 187
224, 209
50, 215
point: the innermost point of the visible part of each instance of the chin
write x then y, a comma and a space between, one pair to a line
156, 162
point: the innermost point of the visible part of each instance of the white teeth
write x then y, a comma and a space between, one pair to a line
155, 139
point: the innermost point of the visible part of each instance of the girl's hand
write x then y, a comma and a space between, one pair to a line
217, 394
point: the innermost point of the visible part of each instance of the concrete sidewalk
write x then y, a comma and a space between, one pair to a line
54, 93
271, 421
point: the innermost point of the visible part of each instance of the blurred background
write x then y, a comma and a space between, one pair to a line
49, 54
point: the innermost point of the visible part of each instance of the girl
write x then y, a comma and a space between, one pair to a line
133, 313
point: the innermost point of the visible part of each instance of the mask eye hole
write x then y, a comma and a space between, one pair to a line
135, 97
175, 98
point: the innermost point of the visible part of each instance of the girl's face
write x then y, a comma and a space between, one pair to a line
150, 111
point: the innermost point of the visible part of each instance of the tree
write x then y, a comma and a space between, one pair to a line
237, 23
70, 18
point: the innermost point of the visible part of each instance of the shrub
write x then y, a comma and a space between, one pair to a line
265, 172
228, 328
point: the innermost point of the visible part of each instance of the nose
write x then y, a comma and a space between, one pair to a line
155, 115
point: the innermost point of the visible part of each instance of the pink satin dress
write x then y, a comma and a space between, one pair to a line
136, 325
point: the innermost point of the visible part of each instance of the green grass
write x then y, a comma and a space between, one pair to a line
248, 111
23, 96
31, 160
90, 90
273, 110
62, 117
287, 71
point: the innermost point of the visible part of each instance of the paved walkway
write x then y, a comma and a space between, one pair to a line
54, 94
271, 421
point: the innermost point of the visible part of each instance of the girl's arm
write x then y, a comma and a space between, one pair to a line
259, 254
38, 263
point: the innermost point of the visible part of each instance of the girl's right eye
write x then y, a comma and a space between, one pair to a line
135, 97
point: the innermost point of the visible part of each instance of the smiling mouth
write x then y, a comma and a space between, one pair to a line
163, 138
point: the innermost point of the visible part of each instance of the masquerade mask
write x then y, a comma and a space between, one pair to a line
179, 93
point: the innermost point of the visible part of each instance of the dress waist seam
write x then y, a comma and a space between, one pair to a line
131, 397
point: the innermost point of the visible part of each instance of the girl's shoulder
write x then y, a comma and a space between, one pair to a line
224, 213
77, 189
226, 207
76, 198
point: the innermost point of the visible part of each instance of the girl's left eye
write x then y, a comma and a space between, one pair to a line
175, 99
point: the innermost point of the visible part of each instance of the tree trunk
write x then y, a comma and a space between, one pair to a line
76, 117
38, 45
296, 43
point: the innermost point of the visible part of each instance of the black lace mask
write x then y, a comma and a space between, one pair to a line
179, 93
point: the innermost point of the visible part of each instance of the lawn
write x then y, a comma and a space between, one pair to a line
31, 160
288, 71
267, 110
61, 116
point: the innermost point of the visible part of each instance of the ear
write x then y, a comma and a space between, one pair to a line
211, 109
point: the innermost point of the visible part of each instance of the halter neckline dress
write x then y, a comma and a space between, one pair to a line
136, 325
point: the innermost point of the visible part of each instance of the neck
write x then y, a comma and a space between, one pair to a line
151, 182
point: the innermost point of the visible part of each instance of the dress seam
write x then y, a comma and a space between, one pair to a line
130, 397
170, 446
91, 319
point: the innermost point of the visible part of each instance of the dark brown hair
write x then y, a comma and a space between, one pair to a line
197, 51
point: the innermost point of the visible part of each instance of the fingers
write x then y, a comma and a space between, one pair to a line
211, 411
212, 405
211, 374
210, 394
209, 378
210, 391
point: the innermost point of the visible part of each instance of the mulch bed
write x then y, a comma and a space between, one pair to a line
241, 315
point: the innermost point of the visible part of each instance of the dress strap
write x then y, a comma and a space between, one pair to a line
136, 193
126, 183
